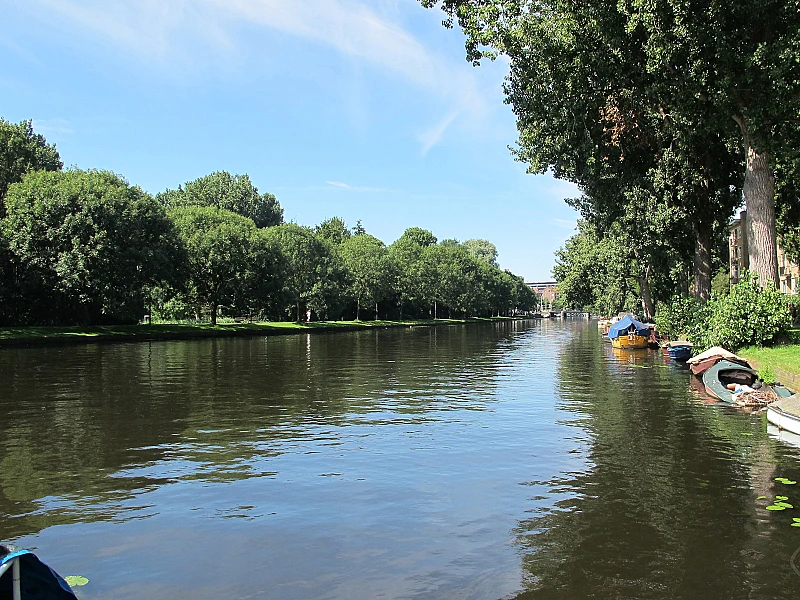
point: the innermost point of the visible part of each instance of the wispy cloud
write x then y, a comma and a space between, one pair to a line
354, 188
566, 223
49, 126
174, 33
433, 136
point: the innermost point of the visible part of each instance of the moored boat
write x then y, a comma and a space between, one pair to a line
785, 413
629, 334
679, 350
725, 372
712, 356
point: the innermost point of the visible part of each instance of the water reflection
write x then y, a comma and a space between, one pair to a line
508, 460
667, 506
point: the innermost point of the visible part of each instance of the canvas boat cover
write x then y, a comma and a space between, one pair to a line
719, 353
625, 325
37, 580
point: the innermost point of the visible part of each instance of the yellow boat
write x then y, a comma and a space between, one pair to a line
630, 341
629, 334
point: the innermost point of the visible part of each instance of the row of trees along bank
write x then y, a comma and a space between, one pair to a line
86, 247
666, 114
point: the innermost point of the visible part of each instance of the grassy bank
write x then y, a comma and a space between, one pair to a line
33, 336
782, 361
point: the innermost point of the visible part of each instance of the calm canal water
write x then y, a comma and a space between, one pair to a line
514, 460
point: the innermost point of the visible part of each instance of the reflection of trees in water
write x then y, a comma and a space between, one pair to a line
665, 507
87, 429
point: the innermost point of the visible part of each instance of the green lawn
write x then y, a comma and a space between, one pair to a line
44, 335
783, 361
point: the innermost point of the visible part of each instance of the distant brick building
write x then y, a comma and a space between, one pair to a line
546, 290
788, 272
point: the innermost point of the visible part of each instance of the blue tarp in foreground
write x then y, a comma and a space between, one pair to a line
39, 582
625, 324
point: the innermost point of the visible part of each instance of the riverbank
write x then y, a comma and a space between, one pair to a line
782, 361
45, 336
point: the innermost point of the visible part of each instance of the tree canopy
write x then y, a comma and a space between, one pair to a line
235, 193
690, 102
22, 151
93, 239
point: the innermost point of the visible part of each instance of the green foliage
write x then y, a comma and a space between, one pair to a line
369, 269
482, 250
95, 241
333, 230
235, 193
419, 236
747, 316
23, 151
721, 284
767, 375
307, 263
676, 318
219, 244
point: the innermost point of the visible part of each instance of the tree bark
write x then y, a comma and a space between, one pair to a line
759, 196
213, 313
647, 297
702, 262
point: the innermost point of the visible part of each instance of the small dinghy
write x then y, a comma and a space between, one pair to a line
705, 360
680, 350
723, 373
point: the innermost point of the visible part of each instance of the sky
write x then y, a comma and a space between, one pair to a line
351, 108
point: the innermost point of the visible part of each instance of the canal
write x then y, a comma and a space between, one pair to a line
511, 460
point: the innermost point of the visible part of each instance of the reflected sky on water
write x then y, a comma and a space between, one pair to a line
523, 459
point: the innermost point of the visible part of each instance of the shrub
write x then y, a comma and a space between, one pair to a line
747, 316
677, 318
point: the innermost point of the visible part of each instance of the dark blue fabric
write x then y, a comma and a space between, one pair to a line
37, 580
626, 323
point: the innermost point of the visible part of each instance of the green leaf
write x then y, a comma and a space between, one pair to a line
795, 524
76, 580
761, 498
781, 497
776, 507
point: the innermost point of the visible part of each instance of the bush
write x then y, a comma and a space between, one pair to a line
747, 316
677, 318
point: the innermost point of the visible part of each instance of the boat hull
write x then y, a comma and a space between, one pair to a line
724, 372
785, 414
629, 342
681, 353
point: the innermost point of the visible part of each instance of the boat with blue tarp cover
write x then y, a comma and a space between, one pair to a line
628, 333
24, 577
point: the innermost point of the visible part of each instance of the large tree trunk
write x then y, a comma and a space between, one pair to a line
213, 313
759, 196
647, 298
702, 262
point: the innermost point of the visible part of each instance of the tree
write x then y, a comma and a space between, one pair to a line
219, 244
482, 250
95, 241
420, 237
589, 112
265, 274
22, 151
235, 193
737, 63
368, 267
333, 230
307, 261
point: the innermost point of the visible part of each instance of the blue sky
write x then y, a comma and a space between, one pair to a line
352, 108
